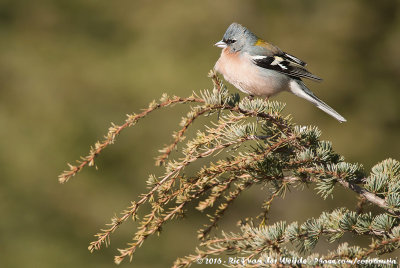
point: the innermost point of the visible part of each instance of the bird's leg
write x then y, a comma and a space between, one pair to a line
250, 97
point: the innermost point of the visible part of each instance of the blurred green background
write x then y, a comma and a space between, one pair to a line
68, 68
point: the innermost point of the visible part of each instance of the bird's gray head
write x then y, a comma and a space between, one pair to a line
237, 37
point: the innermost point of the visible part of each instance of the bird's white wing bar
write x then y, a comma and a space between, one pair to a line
279, 61
259, 57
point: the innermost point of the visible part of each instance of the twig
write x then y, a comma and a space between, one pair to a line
223, 208
178, 136
132, 246
378, 246
369, 196
354, 187
114, 131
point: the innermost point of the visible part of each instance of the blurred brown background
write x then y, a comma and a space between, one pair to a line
68, 68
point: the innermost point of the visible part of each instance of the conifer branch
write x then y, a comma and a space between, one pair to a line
270, 152
369, 196
376, 246
115, 130
179, 135
354, 187
223, 208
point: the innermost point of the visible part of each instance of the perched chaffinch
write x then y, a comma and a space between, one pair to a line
258, 68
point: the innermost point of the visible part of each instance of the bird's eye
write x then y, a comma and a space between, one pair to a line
230, 41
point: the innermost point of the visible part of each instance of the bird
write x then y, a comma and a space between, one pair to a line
259, 68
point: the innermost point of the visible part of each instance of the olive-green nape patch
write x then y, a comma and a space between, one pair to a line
260, 42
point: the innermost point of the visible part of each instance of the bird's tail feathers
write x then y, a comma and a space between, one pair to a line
299, 89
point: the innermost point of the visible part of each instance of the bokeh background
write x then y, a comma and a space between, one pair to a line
68, 68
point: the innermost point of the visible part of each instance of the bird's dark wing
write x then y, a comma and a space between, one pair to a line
263, 48
283, 65
294, 59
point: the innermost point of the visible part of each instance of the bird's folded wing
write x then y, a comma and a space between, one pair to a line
283, 65
294, 59
264, 48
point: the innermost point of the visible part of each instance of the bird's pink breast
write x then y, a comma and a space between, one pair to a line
239, 70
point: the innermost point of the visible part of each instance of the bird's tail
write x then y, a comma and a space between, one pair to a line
299, 89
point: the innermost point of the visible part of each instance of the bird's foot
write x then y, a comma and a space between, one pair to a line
250, 97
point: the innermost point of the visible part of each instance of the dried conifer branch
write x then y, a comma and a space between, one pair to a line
179, 135
187, 121
216, 193
131, 211
130, 250
222, 208
142, 234
114, 131
189, 260
267, 204
144, 231
150, 225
